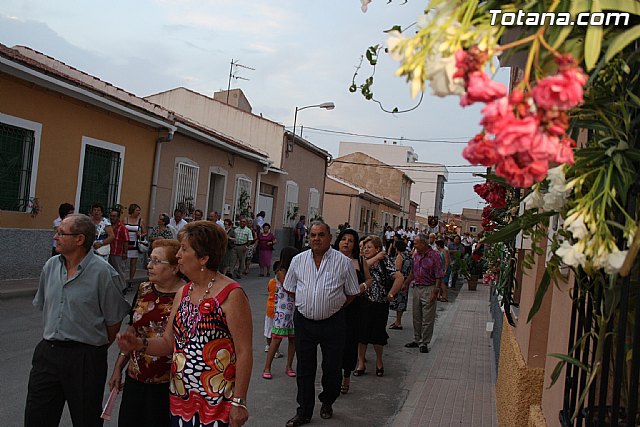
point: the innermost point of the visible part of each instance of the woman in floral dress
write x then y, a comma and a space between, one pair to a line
210, 337
283, 316
145, 399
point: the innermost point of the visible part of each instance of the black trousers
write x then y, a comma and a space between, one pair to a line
330, 335
353, 313
69, 372
144, 404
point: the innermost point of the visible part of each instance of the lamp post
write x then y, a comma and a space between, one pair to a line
325, 105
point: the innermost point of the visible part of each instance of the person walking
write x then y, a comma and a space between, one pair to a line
426, 276
244, 237
70, 363
404, 264
266, 245
300, 233
136, 228
323, 281
104, 232
120, 243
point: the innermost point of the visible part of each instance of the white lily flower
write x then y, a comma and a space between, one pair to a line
439, 72
572, 255
554, 201
615, 261
395, 37
534, 199
577, 228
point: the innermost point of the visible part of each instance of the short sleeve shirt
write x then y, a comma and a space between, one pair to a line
81, 307
427, 267
321, 292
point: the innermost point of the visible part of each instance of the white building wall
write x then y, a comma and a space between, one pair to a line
229, 121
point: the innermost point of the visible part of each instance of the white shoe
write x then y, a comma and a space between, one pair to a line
266, 348
278, 355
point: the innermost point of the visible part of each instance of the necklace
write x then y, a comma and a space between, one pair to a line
206, 291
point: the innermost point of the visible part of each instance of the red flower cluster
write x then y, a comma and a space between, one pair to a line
524, 132
488, 224
493, 193
479, 87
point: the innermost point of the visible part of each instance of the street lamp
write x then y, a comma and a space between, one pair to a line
325, 105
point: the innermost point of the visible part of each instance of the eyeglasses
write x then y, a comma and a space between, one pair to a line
156, 261
60, 234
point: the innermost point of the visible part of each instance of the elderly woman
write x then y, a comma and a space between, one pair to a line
210, 337
104, 232
373, 326
347, 243
145, 400
162, 231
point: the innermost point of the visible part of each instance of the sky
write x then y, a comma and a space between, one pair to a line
303, 53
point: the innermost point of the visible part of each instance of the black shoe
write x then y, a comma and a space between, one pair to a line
412, 344
326, 411
297, 421
424, 349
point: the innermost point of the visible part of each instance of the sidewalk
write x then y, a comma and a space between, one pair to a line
14, 288
454, 384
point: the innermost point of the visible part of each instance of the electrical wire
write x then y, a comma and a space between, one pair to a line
391, 138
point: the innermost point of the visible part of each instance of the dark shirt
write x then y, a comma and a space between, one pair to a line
427, 268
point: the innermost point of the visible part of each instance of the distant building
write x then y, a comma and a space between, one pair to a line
428, 178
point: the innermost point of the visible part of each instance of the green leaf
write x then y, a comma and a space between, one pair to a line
630, 6
635, 98
506, 233
394, 28
621, 41
593, 40
540, 293
569, 359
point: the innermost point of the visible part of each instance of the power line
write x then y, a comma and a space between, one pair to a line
392, 138
409, 166
459, 203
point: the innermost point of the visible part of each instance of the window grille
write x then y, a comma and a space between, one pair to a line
243, 197
291, 204
314, 204
100, 178
16, 159
186, 185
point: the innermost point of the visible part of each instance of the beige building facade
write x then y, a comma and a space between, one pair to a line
429, 179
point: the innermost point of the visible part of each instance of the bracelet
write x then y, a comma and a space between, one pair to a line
239, 405
123, 354
145, 344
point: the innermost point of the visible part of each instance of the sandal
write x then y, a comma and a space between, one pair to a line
344, 388
379, 371
359, 372
394, 326
290, 372
267, 375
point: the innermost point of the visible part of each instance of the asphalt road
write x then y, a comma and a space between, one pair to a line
372, 401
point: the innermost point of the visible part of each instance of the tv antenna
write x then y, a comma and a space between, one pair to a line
232, 74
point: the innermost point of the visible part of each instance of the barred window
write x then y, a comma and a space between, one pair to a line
185, 188
243, 197
100, 178
314, 204
16, 162
291, 204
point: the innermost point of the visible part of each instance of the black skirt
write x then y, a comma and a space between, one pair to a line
373, 325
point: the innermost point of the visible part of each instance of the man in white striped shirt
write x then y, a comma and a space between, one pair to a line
323, 281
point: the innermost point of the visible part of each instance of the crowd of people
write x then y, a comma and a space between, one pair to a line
186, 355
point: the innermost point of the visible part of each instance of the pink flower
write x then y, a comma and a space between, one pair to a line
564, 154
497, 114
480, 151
545, 146
562, 91
517, 135
480, 88
521, 170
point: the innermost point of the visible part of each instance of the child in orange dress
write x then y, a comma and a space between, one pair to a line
270, 312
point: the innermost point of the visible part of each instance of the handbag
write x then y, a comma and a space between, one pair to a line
142, 246
103, 250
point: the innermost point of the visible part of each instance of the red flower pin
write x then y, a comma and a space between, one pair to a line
206, 307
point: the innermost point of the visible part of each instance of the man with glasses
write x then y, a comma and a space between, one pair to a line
83, 306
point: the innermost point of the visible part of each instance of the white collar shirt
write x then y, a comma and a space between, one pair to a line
321, 292
179, 225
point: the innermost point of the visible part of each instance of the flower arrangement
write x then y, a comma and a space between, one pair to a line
578, 84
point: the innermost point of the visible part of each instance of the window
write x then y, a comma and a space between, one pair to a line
242, 206
314, 204
473, 229
291, 204
185, 186
20, 146
101, 174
